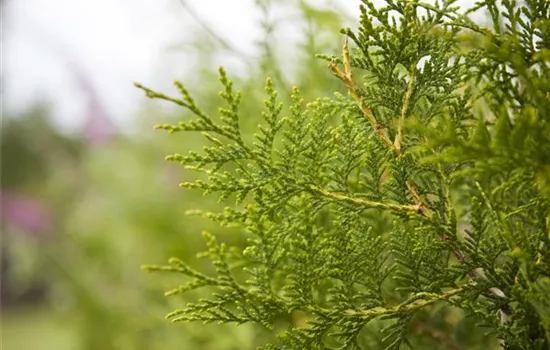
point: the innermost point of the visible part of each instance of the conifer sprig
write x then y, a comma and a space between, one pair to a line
426, 187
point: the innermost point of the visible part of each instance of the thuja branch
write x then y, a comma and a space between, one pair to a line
396, 146
311, 249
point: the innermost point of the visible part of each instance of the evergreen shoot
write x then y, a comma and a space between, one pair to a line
423, 191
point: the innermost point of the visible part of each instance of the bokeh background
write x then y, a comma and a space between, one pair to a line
86, 194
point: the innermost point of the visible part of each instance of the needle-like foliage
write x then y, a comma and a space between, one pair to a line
425, 190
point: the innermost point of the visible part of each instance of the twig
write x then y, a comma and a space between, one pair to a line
365, 202
404, 110
416, 304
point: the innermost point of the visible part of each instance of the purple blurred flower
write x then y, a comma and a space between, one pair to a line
25, 213
98, 127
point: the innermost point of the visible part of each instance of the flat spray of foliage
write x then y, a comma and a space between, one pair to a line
425, 188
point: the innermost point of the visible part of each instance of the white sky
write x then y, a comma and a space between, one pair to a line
115, 42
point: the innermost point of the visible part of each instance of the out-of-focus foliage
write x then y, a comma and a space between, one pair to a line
114, 205
412, 213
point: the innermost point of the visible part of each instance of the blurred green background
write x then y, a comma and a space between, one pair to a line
82, 210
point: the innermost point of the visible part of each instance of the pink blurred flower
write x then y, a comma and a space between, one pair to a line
25, 213
98, 128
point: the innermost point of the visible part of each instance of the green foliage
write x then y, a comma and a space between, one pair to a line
424, 191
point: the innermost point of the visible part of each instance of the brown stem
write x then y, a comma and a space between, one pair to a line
347, 77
